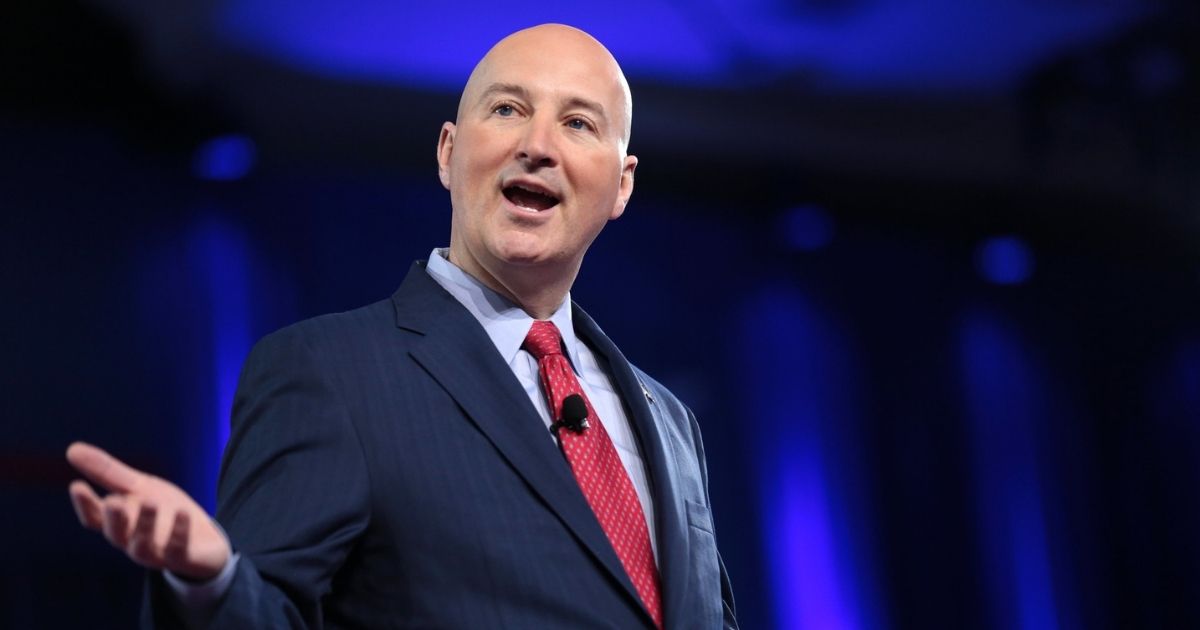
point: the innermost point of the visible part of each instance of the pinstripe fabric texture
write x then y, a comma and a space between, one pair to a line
386, 469
598, 469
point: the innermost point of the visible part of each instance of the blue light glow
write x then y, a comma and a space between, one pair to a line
1006, 404
421, 44
1004, 260
807, 228
880, 44
1176, 392
220, 255
224, 158
1188, 374
796, 370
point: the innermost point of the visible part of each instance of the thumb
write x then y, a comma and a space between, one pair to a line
101, 468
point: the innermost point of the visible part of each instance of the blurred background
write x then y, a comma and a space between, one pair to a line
927, 271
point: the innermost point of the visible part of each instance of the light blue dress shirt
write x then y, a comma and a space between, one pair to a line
506, 324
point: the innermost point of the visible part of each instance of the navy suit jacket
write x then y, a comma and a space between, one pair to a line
385, 469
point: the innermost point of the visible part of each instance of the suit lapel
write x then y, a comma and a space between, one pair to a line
645, 416
458, 354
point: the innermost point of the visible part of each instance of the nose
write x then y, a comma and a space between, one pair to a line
537, 147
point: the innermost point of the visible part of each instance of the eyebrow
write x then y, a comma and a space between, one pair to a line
520, 92
503, 88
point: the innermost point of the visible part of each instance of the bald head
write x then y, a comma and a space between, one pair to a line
570, 50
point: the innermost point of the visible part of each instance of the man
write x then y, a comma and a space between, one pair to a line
386, 466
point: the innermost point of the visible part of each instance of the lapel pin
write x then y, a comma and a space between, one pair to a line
646, 392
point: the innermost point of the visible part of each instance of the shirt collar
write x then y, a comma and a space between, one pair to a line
504, 322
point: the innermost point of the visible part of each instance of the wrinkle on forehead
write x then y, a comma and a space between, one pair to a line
544, 38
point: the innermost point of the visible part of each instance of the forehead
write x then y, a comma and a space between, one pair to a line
556, 65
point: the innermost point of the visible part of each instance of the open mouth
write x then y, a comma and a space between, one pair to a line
530, 199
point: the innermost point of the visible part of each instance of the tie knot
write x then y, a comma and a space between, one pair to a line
543, 340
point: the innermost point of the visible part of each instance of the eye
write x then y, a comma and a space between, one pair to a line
579, 124
504, 110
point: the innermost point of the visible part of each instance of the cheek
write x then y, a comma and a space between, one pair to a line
469, 187
600, 177
604, 189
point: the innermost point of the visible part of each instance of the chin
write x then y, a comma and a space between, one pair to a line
523, 251
525, 259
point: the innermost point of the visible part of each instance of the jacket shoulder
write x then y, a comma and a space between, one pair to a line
336, 329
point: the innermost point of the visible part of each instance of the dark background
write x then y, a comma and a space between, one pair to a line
928, 274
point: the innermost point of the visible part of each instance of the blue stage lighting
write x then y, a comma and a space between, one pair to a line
799, 370
1006, 403
224, 158
221, 256
939, 44
807, 228
1004, 260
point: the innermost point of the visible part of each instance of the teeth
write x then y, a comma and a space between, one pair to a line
532, 198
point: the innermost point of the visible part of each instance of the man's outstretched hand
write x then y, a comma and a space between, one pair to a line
153, 521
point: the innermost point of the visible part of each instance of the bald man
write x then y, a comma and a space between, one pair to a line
473, 452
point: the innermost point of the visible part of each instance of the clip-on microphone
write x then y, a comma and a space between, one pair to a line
574, 415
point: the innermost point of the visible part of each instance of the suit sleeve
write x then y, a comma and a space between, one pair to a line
293, 494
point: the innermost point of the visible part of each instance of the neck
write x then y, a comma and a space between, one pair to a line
539, 292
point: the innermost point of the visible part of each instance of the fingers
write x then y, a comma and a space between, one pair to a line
141, 542
134, 530
110, 516
116, 521
175, 552
86, 504
102, 468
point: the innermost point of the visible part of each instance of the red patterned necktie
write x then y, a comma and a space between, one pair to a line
597, 468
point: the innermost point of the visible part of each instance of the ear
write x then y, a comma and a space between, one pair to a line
444, 149
625, 188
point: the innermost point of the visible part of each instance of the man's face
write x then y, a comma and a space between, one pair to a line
536, 164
